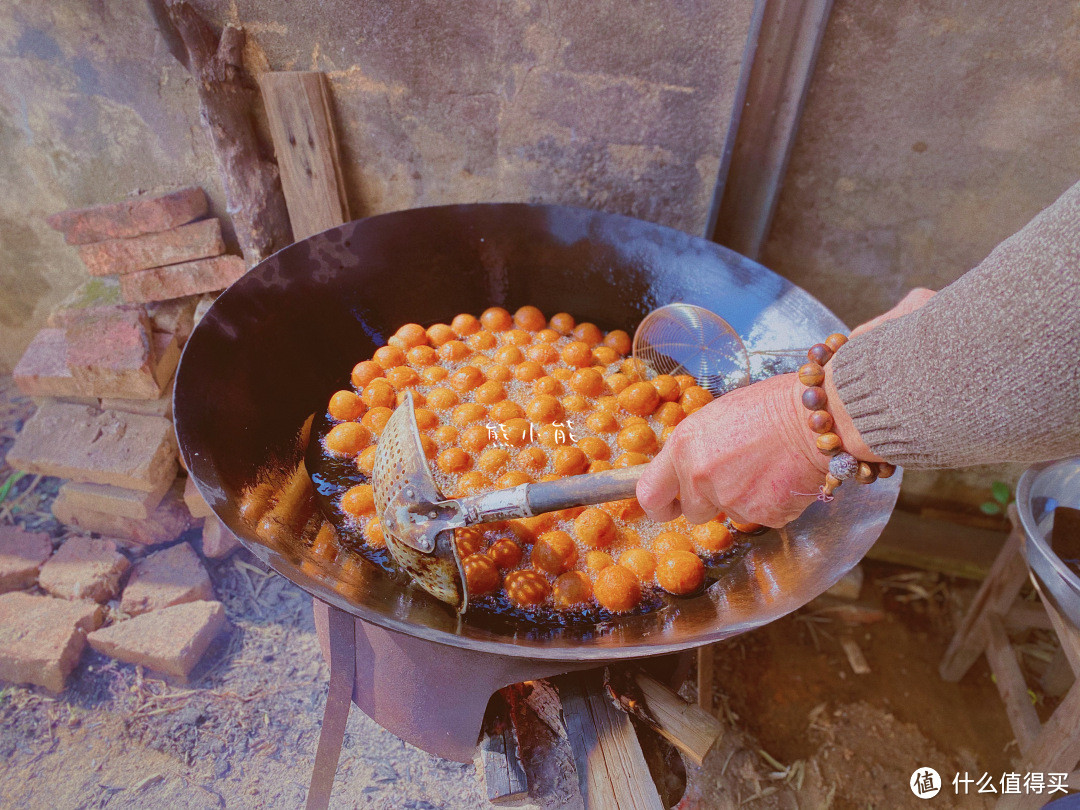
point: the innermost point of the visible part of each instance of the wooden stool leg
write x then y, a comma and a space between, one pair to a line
997, 593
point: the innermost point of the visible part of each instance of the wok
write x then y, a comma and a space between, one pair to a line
279, 341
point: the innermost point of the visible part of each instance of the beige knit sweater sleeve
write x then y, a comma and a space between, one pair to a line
989, 369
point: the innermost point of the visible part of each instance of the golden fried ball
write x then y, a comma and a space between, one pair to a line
553, 436
617, 382
348, 438
421, 356
670, 414
602, 422
472, 481
475, 438
454, 460
468, 413
465, 325
430, 448
595, 528
610, 404
544, 408
496, 319
667, 387
526, 588
402, 377
671, 541
503, 412
680, 572
747, 528
554, 552
588, 382
481, 574
530, 319
499, 373
575, 403
694, 398
641, 562
599, 466
617, 589
627, 510
439, 334
516, 432
379, 393
509, 355
365, 462
364, 372
346, 406
597, 561
440, 399
570, 460
528, 371
373, 533
631, 460
638, 438
358, 500
490, 392
426, 419
605, 356
577, 354
466, 378
547, 385
685, 381
595, 448
412, 334
505, 553
633, 368
537, 524
468, 541
639, 399
712, 537
517, 337
571, 589
542, 353
494, 459
588, 333
563, 375
562, 322
634, 420
531, 458
434, 374
547, 336
618, 340
389, 356
454, 350
482, 341
445, 434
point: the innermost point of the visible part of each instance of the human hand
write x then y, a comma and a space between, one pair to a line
915, 299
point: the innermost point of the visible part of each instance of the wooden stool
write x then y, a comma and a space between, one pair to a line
1053, 747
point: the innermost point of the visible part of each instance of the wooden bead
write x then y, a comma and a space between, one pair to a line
821, 421
811, 374
885, 470
835, 341
814, 399
867, 473
819, 353
829, 443
832, 483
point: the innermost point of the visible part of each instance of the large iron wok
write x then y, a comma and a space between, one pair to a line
276, 344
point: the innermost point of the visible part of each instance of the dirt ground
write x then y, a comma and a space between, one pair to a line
803, 731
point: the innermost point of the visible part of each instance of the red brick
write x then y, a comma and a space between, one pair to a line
166, 357
176, 316
41, 638
130, 218
118, 256
162, 406
84, 568
113, 356
118, 501
205, 302
21, 556
168, 521
171, 640
42, 370
168, 577
198, 507
96, 297
100, 447
190, 278
218, 541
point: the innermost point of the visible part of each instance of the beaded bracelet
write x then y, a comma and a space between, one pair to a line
841, 465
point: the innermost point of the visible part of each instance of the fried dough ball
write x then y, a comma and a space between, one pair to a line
667, 387
617, 589
440, 334
544, 408
526, 588
618, 340
482, 341
503, 412
639, 399
595, 448
588, 382
509, 355
600, 465
633, 368
421, 356
466, 378
530, 319
608, 404
537, 524
694, 398
358, 500
638, 438
505, 553
465, 325
430, 448
571, 589
440, 399
402, 377
634, 420
481, 574
490, 392
553, 435
578, 354
412, 334
563, 375
554, 552
543, 353
454, 460
472, 481
617, 382
570, 460
605, 356
516, 432
468, 541
346, 406
712, 537
373, 533
747, 528
627, 510
500, 373
595, 528
365, 462
475, 438
575, 403
562, 322
517, 337
389, 356
671, 541
434, 374
425, 419
379, 393
597, 561
468, 413
670, 414
601, 422
631, 460
445, 434
547, 385
454, 350
528, 371
364, 372
641, 562
547, 336
685, 381
348, 438
531, 458
494, 459
496, 319
680, 572
588, 333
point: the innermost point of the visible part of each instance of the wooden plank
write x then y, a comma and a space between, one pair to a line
705, 656
1068, 635
301, 124
1057, 749
1023, 615
855, 656
1010, 683
496, 770
937, 545
688, 727
780, 73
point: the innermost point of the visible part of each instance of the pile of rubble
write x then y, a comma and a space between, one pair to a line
101, 374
